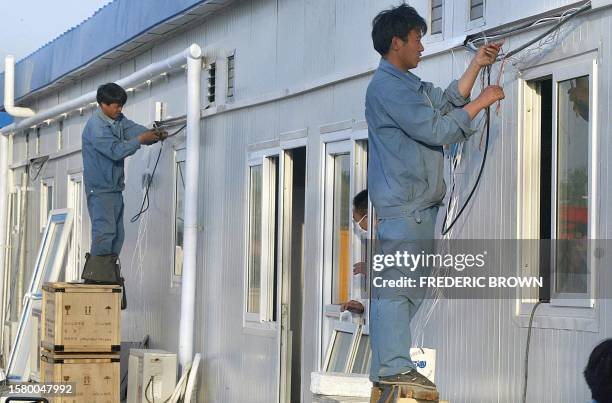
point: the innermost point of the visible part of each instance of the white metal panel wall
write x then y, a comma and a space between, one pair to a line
278, 45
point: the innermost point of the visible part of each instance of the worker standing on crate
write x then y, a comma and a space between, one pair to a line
108, 139
409, 121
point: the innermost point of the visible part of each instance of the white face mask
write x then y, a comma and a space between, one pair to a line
360, 231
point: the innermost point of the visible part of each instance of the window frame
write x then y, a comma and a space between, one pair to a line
561, 313
341, 141
346, 327
271, 248
179, 156
75, 261
44, 200
438, 36
20, 349
477, 22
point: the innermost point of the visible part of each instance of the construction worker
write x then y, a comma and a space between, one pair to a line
598, 372
360, 220
409, 121
108, 138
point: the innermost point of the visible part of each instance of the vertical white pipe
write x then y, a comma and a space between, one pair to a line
4, 177
9, 91
190, 237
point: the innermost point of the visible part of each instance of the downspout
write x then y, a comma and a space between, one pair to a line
190, 237
9, 91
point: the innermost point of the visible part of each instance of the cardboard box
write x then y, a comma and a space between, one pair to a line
81, 318
95, 377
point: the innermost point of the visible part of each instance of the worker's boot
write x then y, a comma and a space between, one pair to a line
387, 394
411, 384
375, 393
104, 269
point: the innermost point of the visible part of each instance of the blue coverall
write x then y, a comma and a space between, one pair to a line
106, 143
408, 123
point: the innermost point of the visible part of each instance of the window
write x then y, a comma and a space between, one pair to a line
230, 77
179, 211
363, 355
212, 71
476, 9
48, 267
341, 346
345, 174
436, 21
341, 272
557, 177
75, 202
46, 201
263, 226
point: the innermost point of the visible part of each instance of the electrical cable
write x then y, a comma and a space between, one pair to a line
446, 229
549, 31
524, 400
144, 206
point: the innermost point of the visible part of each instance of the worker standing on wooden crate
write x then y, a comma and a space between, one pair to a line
409, 121
108, 138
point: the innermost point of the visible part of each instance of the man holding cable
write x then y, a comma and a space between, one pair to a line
409, 121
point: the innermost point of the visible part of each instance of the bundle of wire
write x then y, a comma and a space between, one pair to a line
145, 200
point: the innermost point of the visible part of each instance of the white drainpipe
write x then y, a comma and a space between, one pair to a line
193, 56
190, 236
9, 91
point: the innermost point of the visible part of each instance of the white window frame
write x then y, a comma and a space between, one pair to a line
44, 185
478, 22
20, 350
582, 315
344, 327
75, 201
363, 331
343, 141
440, 35
179, 156
270, 251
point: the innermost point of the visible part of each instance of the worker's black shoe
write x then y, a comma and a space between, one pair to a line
413, 385
104, 270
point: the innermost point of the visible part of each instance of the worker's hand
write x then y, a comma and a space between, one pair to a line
149, 137
360, 268
162, 134
490, 95
487, 54
352, 306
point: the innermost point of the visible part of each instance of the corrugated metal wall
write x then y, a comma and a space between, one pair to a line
288, 43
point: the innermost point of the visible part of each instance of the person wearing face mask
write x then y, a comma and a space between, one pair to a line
360, 222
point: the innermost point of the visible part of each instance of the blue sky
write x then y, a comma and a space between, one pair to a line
27, 25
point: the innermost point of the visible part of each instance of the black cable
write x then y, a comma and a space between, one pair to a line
445, 230
145, 200
527, 350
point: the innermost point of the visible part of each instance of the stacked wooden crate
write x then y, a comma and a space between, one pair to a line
80, 340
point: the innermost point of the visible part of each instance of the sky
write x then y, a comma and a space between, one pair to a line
26, 25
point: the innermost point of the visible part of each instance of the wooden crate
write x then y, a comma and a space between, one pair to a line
81, 318
96, 377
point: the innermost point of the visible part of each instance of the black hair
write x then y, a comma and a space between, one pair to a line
598, 372
360, 202
397, 21
111, 93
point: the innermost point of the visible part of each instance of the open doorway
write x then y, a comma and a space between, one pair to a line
292, 275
